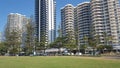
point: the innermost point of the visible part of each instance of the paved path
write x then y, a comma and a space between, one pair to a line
112, 57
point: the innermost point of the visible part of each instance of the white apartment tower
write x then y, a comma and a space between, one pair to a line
67, 20
105, 16
16, 22
95, 18
82, 21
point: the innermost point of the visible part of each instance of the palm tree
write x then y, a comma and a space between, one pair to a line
110, 38
85, 38
101, 48
108, 41
94, 42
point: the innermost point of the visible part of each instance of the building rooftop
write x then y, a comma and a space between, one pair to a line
83, 3
67, 5
16, 14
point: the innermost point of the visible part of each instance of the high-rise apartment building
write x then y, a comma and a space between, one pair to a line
105, 16
17, 22
76, 20
82, 21
95, 18
67, 20
45, 16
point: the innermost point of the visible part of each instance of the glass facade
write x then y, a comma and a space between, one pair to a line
45, 16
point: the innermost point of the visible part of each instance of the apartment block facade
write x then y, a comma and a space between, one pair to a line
83, 21
97, 17
105, 16
67, 20
17, 22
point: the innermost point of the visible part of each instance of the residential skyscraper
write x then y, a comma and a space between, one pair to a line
67, 20
97, 18
45, 18
82, 21
76, 20
105, 16
17, 22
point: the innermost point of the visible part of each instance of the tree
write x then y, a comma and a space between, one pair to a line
110, 38
85, 45
42, 45
107, 38
83, 48
70, 41
108, 42
94, 42
58, 43
77, 39
13, 41
29, 38
39, 46
101, 48
3, 48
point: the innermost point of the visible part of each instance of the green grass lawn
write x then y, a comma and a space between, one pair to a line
57, 62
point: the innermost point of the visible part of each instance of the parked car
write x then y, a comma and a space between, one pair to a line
78, 54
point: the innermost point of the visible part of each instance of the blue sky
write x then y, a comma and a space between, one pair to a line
26, 7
